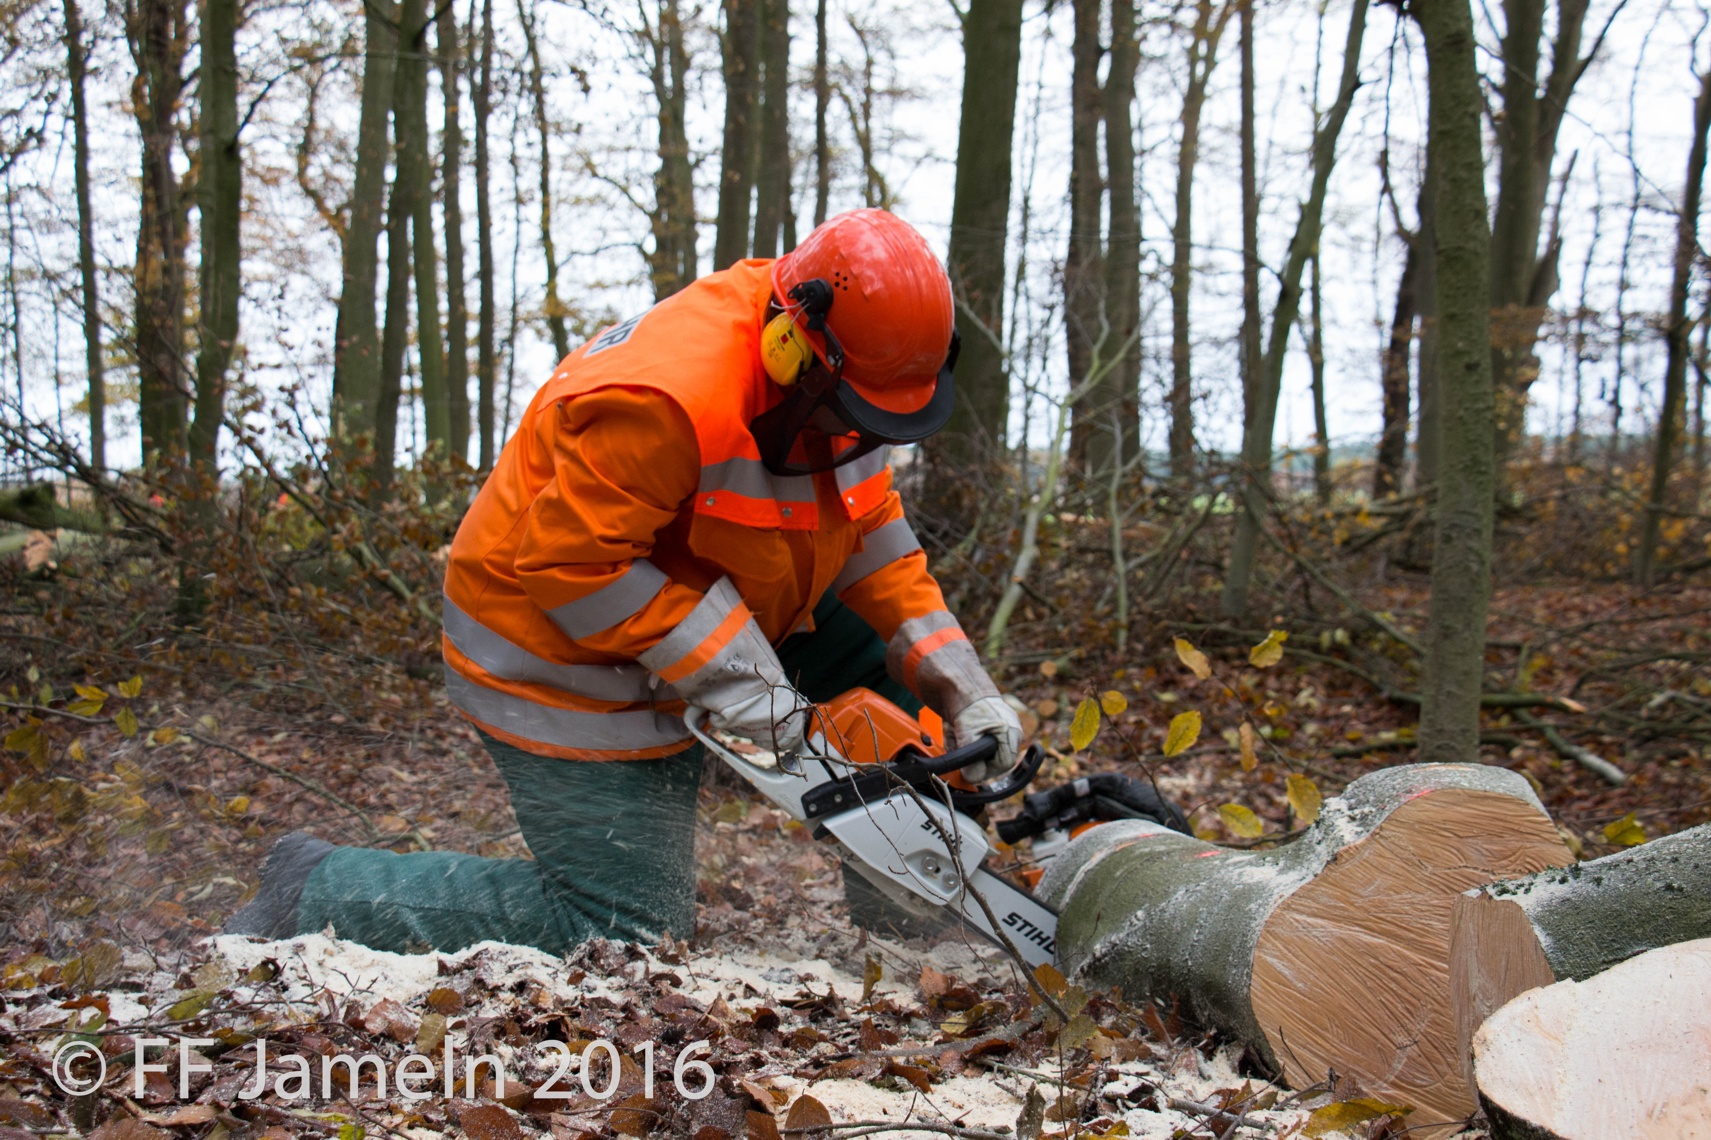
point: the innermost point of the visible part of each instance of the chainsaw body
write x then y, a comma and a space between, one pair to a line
873, 781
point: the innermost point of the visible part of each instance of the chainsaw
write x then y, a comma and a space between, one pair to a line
874, 782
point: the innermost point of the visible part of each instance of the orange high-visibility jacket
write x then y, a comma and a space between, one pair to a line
632, 504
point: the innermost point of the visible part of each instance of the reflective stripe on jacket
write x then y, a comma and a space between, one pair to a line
632, 489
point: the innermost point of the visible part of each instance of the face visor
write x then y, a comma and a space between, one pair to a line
778, 432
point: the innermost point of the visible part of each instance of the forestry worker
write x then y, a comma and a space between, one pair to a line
696, 510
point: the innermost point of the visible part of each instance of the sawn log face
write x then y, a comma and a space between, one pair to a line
1329, 952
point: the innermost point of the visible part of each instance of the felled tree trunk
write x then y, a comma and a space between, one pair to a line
1571, 923
1329, 952
1615, 1058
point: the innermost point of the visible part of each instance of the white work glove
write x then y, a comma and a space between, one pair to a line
989, 716
742, 686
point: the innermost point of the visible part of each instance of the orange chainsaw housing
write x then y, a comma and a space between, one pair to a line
868, 729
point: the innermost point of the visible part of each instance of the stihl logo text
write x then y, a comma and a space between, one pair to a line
1030, 932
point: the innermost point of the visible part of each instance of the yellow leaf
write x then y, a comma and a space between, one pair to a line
1348, 1113
1625, 832
1268, 652
84, 707
1304, 797
22, 738
1241, 821
190, 1005
1113, 702
127, 722
1250, 758
91, 693
1184, 731
1051, 979
238, 805
163, 735
76, 751
1085, 726
1193, 658
132, 687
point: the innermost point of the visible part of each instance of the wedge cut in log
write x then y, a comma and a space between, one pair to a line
1625, 1055
1331, 952
1515, 935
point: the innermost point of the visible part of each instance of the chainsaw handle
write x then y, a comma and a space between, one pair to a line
1019, 777
976, 751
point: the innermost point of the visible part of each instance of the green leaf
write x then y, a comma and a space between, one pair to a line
1348, 1113
1193, 658
1268, 652
1085, 726
1241, 821
23, 738
84, 707
189, 1005
1184, 731
1304, 798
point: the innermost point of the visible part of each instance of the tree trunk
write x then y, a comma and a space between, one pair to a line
1202, 57
1115, 435
537, 87
1329, 952
1673, 410
740, 48
1256, 441
1621, 1055
980, 221
1083, 277
76, 67
1512, 936
410, 121
1316, 358
486, 359
220, 201
1428, 432
357, 355
772, 182
401, 208
673, 262
822, 101
1522, 280
1392, 452
1252, 328
457, 310
1453, 669
159, 34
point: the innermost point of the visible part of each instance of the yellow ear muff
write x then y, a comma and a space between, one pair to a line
784, 351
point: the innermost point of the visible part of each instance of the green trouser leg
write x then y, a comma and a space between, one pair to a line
613, 843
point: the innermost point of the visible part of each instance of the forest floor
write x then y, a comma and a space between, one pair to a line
137, 812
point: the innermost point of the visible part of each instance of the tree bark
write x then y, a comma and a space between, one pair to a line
457, 309
1522, 279
76, 68
410, 121
1316, 359
1083, 277
1115, 435
1514, 935
1252, 326
1428, 431
980, 221
1453, 669
1673, 410
159, 35
672, 264
772, 181
1256, 441
357, 355
537, 88
740, 48
1329, 952
1392, 454
220, 200
822, 102
1202, 57
486, 359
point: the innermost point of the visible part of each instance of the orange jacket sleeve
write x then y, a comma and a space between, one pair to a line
624, 462
887, 581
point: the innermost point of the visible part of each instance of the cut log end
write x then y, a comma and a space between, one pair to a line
1619, 1056
1351, 971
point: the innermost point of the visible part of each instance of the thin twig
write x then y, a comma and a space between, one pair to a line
1569, 750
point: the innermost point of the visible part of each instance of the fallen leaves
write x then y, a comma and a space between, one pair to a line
1268, 652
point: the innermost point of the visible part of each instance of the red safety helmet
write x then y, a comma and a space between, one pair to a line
867, 293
